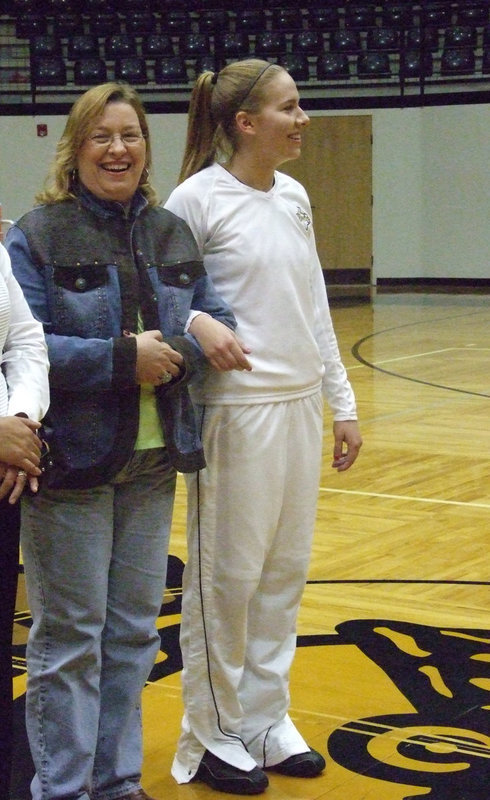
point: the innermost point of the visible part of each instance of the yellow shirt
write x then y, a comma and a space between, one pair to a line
150, 432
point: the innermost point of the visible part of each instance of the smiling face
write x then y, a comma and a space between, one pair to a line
113, 171
278, 125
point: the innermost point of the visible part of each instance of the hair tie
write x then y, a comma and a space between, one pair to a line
214, 78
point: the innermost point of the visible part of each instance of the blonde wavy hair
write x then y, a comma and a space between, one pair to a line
61, 177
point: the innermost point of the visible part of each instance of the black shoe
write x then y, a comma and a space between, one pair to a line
302, 765
225, 778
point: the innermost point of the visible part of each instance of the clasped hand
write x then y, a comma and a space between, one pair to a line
20, 453
155, 358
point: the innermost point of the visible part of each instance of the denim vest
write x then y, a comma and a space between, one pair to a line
87, 268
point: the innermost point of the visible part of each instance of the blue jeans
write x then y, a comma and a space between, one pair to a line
95, 564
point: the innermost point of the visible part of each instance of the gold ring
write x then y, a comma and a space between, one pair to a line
165, 377
22, 473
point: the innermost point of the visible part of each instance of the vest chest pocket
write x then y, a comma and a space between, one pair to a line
181, 275
86, 301
81, 277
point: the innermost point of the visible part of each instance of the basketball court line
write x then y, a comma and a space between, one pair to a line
408, 498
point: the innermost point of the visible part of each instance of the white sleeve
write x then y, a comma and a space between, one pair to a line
25, 357
336, 386
182, 204
186, 205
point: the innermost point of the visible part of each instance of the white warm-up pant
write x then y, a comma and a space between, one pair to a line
251, 515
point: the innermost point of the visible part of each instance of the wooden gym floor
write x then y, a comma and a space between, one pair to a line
392, 675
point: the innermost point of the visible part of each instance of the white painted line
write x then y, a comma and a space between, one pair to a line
409, 498
419, 355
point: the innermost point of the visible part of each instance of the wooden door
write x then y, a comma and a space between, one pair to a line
336, 169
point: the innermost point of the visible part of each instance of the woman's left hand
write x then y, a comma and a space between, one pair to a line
346, 432
155, 358
13, 481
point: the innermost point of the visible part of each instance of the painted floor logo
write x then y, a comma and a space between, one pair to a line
442, 745
445, 743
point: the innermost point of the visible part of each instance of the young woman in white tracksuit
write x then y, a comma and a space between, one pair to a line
252, 509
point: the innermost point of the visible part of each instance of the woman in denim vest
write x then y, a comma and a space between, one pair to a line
120, 288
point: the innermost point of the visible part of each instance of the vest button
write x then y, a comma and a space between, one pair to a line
80, 284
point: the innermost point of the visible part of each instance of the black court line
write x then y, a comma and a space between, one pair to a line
408, 581
356, 347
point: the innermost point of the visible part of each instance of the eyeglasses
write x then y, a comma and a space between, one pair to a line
105, 139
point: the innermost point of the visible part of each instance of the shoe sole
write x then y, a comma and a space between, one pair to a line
229, 785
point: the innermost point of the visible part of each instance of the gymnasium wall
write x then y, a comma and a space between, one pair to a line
431, 182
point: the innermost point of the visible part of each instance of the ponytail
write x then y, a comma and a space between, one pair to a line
200, 146
215, 101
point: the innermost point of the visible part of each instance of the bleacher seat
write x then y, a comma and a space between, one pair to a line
360, 17
90, 71
333, 66
139, 5
213, 21
323, 18
157, 44
436, 15
170, 69
430, 38
270, 43
250, 20
412, 65
30, 24
56, 7
383, 39
119, 45
460, 36
287, 18
138, 22
83, 45
67, 24
296, 64
345, 41
234, 45
207, 63
45, 45
192, 45
131, 69
373, 65
396, 15
176, 22
19, 7
458, 61
104, 23
308, 42
99, 6
473, 13
48, 71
